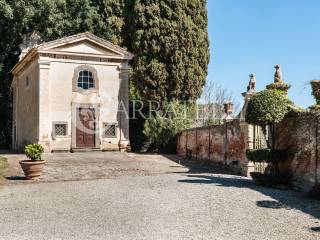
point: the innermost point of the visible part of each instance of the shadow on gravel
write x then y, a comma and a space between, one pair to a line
282, 198
16, 178
271, 204
315, 229
199, 166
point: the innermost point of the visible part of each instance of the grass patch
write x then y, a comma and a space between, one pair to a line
3, 167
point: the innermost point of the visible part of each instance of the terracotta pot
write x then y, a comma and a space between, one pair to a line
32, 169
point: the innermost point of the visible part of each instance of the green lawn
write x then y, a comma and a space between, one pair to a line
3, 167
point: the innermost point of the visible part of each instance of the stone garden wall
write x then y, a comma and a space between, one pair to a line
223, 144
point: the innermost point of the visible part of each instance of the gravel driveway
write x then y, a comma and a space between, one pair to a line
168, 203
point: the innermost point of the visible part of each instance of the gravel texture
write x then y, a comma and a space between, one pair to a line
160, 205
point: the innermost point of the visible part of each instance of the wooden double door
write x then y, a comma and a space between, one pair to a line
86, 128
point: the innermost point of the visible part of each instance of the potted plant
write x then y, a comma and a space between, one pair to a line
33, 168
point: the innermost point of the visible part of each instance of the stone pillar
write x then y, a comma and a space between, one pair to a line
123, 110
45, 126
247, 128
14, 112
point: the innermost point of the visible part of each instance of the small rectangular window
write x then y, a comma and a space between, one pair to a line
110, 130
60, 129
27, 82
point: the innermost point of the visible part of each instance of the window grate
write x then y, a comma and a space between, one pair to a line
60, 129
110, 130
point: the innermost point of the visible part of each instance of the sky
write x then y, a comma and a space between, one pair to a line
251, 36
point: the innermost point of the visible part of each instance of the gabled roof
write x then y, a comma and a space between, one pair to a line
82, 37
91, 45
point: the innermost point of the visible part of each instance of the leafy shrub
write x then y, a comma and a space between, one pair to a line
272, 179
267, 107
34, 151
3, 166
266, 155
167, 123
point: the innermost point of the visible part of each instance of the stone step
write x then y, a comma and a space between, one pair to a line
85, 150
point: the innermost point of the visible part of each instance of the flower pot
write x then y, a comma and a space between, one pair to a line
32, 169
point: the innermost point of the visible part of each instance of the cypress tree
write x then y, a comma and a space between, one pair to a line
171, 47
112, 13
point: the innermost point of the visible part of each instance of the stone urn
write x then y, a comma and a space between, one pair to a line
32, 169
315, 84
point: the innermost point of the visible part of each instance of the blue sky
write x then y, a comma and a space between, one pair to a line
251, 36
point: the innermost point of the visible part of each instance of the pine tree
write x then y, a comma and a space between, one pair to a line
171, 47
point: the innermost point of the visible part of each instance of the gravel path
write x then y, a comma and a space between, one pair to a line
157, 206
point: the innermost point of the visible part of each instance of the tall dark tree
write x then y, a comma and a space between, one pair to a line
171, 46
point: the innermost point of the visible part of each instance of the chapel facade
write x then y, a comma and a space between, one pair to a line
72, 93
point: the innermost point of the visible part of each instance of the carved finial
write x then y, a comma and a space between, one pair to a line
278, 74
228, 109
252, 83
278, 83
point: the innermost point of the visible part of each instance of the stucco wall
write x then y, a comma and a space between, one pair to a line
25, 107
224, 144
299, 134
59, 100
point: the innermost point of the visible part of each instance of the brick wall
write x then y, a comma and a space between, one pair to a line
300, 135
224, 144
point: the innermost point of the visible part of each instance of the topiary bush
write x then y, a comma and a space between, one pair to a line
267, 107
266, 155
34, 151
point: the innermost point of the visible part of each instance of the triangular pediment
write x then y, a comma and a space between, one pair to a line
85, 47
85, 44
